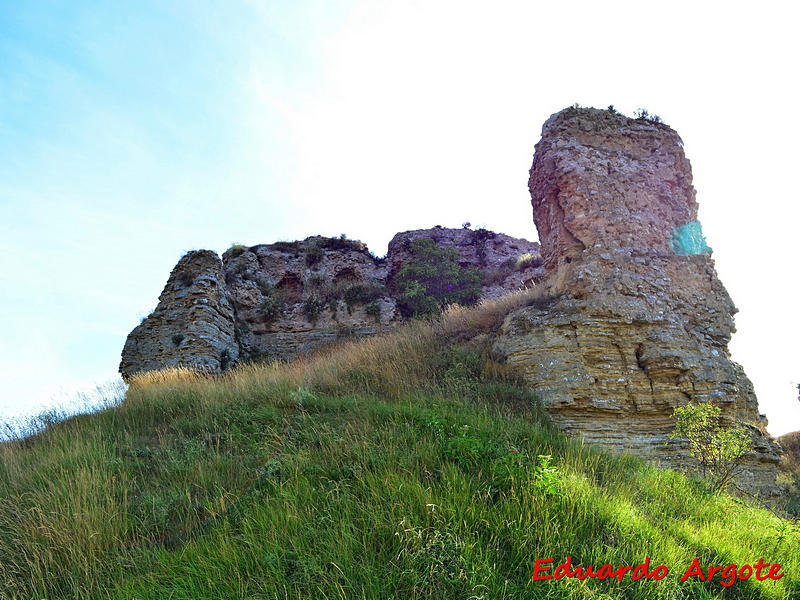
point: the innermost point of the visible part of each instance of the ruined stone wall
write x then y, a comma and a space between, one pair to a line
632, 323
292, 298
281, 300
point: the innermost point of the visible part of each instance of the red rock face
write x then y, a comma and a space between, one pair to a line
630, 328
602, 180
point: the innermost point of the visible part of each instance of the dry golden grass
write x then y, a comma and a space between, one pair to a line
390, 364
82, 497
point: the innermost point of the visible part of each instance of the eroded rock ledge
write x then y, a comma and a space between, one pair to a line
634, 321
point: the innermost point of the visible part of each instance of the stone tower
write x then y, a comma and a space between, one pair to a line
634, 321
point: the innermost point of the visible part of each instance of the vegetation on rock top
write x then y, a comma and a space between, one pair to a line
433, 278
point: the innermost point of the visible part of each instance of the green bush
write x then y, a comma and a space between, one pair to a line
373, 309
224, 359
718, 450
642, 114
273, 305
272, 308
265, 285
236, 250
312, 308
363, 293
479, 237
433, 278
313, 255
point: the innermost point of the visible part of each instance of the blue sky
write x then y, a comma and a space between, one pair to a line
132, 132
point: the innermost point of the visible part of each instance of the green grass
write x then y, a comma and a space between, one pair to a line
394, 467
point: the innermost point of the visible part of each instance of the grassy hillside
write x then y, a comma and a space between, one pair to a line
395, 467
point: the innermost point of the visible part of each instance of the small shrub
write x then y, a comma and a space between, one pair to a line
236, 250
517, 470
642, 115
273, 305
373, 309
479, 237
312, 308
528, 260
433, 278
363, 293
224, 359
545, 476
287, 247
272, 309
177, 338
313, 255
719, 451
265, 285
342, 243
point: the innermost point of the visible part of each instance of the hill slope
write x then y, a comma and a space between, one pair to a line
394, 467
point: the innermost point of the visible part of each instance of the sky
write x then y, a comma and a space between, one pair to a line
133, 132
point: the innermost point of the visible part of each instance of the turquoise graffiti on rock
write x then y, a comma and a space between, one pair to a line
688, 239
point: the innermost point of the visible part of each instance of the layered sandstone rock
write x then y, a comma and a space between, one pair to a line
281, 300
193, 324
633, 321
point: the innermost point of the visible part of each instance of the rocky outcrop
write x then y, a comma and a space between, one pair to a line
633, 320
193, 324
281, 300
